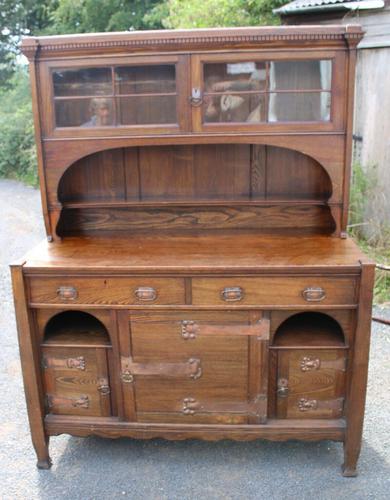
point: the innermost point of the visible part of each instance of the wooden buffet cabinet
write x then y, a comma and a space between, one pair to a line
197, 280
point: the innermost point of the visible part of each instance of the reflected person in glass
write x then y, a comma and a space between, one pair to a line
100, 110
240, 108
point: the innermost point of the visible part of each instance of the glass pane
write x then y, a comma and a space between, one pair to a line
146, 110
145, 79
300, 75
96, 112
304, 106
79, 82
240, 76
233, 107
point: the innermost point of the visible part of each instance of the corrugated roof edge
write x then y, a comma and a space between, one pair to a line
309, 6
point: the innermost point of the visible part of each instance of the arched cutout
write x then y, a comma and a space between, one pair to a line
311, 329
76, 328
245, 172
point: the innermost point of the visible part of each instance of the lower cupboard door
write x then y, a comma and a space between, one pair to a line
76, 381
194, 367
310, 383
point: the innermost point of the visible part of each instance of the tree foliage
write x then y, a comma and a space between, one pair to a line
17, 152
91, 16
220, 13
55, 17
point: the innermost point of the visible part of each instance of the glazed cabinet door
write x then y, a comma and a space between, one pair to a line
310, 383
116, 96
194, 367
76, 380
264, 91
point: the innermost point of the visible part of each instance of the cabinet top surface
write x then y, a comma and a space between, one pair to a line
240, 252
173, 39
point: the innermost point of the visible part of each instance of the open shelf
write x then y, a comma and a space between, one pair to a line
194, 203
75, 328
309, 329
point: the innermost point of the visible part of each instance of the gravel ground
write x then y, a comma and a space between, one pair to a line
95, 468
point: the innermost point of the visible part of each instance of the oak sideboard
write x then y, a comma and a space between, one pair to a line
197, 280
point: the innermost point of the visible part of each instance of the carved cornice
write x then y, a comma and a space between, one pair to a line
174, 40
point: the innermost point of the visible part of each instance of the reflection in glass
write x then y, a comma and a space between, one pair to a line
229, 107
242, 76
145, 79
146, 110
300, 75
299, 107
232, 92
95, 112
82, 82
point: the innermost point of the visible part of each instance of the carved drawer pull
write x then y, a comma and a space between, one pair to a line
190, 405
190, 368
314, 294
68, 363
232, 294
146, 293
283, 389
81, 402
310, 364
317, 404
307, 404
67, 293
127, 377
103, 387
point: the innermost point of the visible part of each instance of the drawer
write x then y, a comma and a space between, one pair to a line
111, 291
268, 290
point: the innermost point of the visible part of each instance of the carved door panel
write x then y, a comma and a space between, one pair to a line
76, 381
192, 367
310, 383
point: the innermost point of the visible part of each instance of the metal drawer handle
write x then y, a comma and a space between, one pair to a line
232, 294
283, 389
103, 387
67, 293
313, 294
146, 293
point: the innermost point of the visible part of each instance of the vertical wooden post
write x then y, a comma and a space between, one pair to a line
357, 387
30, 369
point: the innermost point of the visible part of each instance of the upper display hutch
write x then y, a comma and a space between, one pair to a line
268, 89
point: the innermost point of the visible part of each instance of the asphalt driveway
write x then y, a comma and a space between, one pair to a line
95, 468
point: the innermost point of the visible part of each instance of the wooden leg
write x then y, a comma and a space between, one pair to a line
42, 451
30, 369
351, 456
358, 381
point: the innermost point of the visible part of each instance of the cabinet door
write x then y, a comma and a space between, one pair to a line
252, 91
310, 383
120, 96
76, 381
194, 367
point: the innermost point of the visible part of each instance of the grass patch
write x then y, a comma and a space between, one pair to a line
371, 233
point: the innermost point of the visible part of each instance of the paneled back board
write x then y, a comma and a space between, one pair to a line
197, 281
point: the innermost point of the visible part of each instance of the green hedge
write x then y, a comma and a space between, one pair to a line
17, 152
